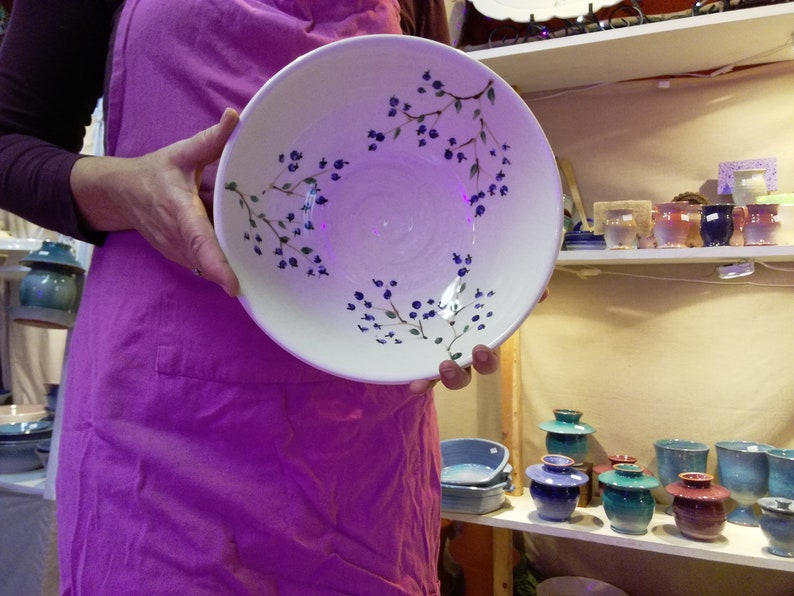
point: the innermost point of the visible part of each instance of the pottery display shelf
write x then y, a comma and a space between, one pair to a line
667, 256
11, 251
738, 545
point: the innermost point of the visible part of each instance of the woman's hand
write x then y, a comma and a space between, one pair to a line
157, 195
453, 376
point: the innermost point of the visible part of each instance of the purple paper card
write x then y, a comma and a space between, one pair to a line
727, 168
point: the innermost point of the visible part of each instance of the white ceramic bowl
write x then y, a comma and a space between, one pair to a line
388, 202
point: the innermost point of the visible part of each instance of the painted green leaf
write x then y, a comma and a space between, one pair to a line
391, 314
307, 250
414, 331
475, 168
397, 132
491, 95
439, 340
458, 105
456, 356
253, 199
476, 114
252, 222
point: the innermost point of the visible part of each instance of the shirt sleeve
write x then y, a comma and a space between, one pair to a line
425, 18
52, 64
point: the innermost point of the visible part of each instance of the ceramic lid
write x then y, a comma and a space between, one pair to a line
780, 505
566, 428
699, 486
557, 470
628, 476
53, 253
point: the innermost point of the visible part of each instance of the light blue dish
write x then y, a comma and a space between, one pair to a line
473, 462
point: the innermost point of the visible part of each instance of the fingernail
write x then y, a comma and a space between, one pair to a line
448, 373
481, 355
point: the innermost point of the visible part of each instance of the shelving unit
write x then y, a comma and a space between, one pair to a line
738, 545
738, 37
11, 251
665, 256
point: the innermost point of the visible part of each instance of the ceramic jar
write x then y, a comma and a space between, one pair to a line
627, 499
716, 224
781, 473
566, 435
743, 469
777, 524
748, 185
620, 229
671, 225
554, 487
760, 225
699, 506
52, 282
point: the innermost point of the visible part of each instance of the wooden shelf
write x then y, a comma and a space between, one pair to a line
738, 545
666, 256
707, 42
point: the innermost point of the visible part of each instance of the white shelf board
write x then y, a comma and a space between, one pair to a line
738, 545
692, 44
665, 256
31, 483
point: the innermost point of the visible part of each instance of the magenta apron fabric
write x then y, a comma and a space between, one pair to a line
197, 457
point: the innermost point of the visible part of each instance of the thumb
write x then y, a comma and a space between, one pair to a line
207, 145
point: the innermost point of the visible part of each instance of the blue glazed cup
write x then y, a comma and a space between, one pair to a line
716, 224
781, 473
674, 456
743, 469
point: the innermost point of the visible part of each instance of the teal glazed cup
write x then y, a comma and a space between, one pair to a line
674, 456
781, 473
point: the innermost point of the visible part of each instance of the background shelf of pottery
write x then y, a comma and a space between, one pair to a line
760, 34
738, 545
662, 256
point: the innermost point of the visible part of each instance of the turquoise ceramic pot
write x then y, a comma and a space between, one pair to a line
777, 524
53, 278
627, 499
566, 435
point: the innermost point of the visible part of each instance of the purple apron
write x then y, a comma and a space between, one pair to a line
197, 457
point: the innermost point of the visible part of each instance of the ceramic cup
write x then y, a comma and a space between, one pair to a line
674, 456
781, 473
760, 226
671, 225
716, 224
743, 469
620, 229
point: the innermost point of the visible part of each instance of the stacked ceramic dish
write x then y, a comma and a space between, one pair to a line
474, 475
18, 442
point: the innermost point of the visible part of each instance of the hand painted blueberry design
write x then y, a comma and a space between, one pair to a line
479, 149
389, 323
289, 229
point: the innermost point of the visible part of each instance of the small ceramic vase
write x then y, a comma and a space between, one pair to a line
760, 227
781, 473
716, 224
748, 185
671, 225
777, 524
674, 456
693, 239
620, 229
627, 499
554, 487
566, 435
743, 469
52, 282
699, 506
